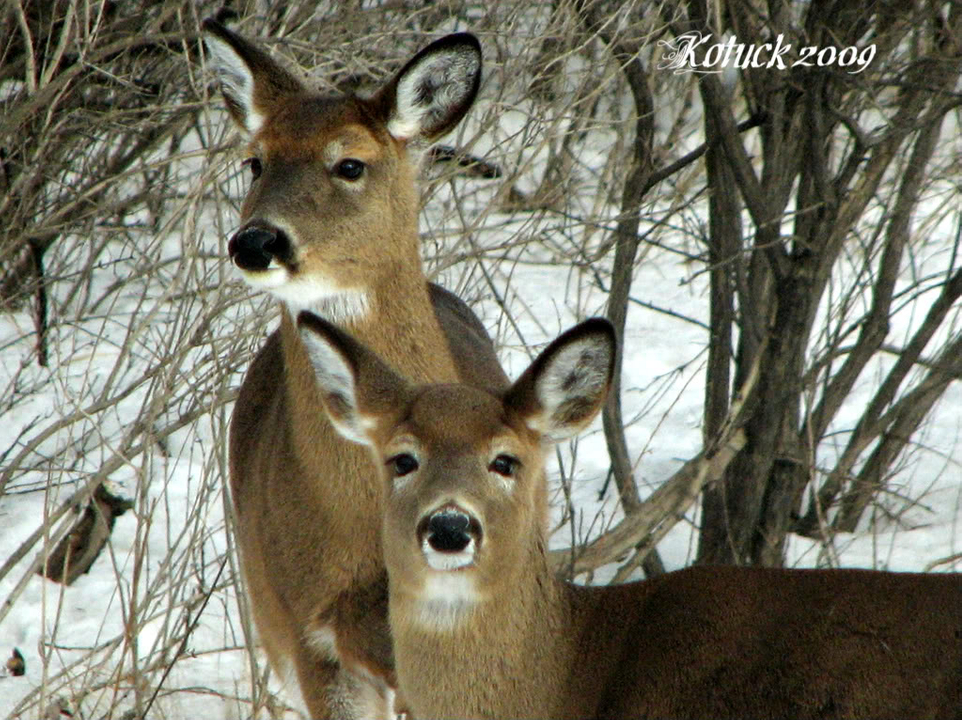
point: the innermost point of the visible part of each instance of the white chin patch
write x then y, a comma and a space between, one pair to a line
318, 295
445, 561
445, 599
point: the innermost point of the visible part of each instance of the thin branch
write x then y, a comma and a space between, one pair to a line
871, 424
902, 422
875, 326
626, 243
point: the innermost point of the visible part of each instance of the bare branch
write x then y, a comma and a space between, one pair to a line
667, 505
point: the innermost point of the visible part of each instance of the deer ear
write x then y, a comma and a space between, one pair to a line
357, 388
565, 387
434, 90
250, 79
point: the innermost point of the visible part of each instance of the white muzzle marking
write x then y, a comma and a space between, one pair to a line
446, 561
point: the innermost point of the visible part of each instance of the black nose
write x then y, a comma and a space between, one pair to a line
253, 247
448, 531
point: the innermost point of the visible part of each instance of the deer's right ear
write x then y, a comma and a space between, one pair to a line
357, 388
250, 79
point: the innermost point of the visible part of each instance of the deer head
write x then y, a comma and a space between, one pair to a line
461, 466
332, 207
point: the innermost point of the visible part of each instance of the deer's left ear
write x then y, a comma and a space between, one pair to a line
434, 90
357, 388
563, 390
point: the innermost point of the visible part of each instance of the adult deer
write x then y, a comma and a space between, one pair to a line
482, 629
330, 224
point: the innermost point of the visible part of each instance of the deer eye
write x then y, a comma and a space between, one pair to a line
255, 166
504, 465
403, 464
349, 169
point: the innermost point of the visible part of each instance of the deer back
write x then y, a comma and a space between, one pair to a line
739, 642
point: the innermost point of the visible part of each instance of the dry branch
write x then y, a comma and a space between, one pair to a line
626, 238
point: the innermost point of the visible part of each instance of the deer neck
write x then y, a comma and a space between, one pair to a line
394, 318
507, 656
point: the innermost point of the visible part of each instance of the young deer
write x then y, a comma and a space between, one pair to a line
482, 629
330, 225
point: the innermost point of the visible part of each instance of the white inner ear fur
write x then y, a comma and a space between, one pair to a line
578, 370
428, 91
335, 378
236, 80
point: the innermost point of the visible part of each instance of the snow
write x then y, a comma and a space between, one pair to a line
169, 557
